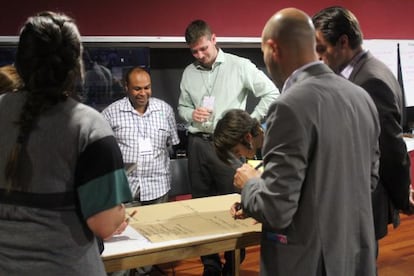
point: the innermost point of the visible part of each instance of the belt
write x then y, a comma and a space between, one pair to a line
45, 201
203, 135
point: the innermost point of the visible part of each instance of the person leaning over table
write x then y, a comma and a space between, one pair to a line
339, 45
237, 136
215, 82
63, 179
321, 159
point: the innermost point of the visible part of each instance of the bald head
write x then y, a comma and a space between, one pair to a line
288, 42
291, 27
136, 70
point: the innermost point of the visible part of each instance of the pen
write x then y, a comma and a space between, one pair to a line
131, 216
238, 207
258, 166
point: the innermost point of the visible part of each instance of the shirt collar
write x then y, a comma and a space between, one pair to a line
347, 71
219, 59
292, 78
128, 107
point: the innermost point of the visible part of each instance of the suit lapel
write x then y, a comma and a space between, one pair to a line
358, 65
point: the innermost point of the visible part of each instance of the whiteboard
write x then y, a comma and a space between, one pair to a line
386, 51
407, 69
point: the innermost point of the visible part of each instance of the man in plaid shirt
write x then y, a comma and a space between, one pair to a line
145, 129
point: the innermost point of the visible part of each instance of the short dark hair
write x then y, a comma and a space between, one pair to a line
336, 21
230, 131
197, 29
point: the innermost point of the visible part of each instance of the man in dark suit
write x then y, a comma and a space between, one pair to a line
321, 157
339, 44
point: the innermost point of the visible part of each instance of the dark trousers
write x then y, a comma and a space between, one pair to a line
213, 266
209, 176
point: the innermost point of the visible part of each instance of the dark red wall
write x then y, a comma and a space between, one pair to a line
382, 19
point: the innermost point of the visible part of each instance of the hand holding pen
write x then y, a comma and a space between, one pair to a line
130, 216
124, 224
236, 211
258, 166
121, 228
245, 173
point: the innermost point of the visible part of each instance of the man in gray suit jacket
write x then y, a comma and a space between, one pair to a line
339, 44
321, 159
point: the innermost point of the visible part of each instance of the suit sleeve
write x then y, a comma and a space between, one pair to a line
275, 201
394, 169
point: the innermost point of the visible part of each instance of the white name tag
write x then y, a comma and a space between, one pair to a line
144, 145
208, 102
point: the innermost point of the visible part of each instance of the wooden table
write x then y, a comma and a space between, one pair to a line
125, 252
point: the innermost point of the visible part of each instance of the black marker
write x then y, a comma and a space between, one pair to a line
238, 207
259, 166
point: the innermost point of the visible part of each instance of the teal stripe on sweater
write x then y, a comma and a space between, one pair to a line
104, 193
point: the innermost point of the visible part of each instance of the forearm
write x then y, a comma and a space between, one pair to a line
105, 223
262, 107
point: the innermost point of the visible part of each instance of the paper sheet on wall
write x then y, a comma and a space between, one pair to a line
386, 51
407, 69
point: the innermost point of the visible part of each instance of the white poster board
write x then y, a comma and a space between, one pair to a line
386, 51
407, 69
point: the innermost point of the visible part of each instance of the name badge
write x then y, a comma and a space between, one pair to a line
208, 102
145, 146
